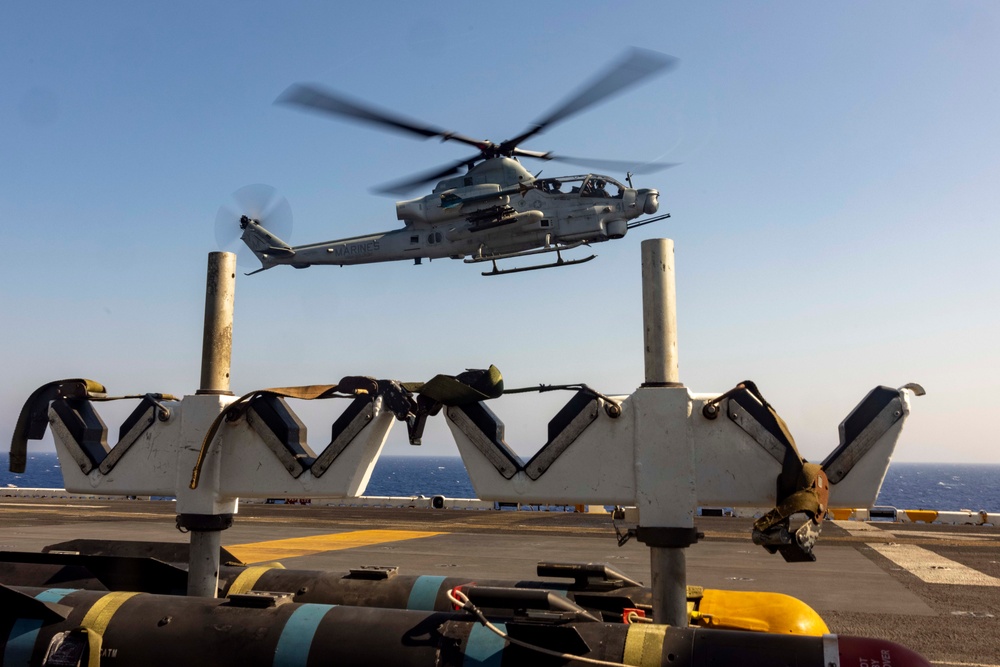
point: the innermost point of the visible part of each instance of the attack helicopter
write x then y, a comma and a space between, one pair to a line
496, 210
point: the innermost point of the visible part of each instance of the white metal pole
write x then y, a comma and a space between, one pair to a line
659, 310
216, 356
217, 338
203, 563
668, 565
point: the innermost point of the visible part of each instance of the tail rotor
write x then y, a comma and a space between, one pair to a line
262, 204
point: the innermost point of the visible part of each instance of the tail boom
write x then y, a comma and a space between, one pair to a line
268, 248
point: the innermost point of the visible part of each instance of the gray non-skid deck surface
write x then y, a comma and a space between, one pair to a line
855, 588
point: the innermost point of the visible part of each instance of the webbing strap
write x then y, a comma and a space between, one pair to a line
811, 498
801, 486
644, 644
471, 386
95, 623
247, 579
468, 387
239, 406
34, 416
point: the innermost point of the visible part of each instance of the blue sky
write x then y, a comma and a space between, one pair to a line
835, 211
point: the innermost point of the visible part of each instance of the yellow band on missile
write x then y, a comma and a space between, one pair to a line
247, 579
96, 622
644, 645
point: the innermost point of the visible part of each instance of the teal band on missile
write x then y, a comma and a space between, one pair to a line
24, 632
485, 647
297, 635
424, 592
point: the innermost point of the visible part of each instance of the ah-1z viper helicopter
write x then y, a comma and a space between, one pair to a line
496, 210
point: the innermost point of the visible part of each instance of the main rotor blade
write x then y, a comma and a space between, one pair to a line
405, 186
635, 167
326, 101
636, 65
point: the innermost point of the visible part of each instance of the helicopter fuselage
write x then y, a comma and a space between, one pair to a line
497, 209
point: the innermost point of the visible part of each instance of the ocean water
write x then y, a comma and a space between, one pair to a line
940, 486
420, 475
393, 475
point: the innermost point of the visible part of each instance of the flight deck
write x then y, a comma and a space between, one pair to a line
247, 581
933, 588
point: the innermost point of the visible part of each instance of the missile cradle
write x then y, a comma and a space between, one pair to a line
660, 452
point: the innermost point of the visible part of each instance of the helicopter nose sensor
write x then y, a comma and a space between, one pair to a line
650, 201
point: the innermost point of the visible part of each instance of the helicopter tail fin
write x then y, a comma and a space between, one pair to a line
268, 248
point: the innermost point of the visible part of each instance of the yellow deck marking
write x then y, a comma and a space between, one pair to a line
257, 552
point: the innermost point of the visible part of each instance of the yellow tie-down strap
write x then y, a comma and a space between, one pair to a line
247, 579
33, 419
644, 644
95, 623
237, 407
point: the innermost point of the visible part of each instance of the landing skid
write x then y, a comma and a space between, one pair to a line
510, 255
559, 262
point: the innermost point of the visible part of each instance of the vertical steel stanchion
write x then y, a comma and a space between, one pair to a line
216, 356
668, 582
659, 313
203, 563
668, 566
217, 337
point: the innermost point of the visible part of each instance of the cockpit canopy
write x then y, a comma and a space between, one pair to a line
586, 185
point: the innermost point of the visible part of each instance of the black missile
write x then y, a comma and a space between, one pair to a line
69, 627
594, 588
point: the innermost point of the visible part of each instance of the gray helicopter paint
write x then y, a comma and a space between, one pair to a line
480, 220
494, 179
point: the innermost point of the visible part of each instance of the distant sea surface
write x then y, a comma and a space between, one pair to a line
940, 486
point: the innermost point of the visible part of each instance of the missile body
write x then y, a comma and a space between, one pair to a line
596, 588
423, 592
66, 627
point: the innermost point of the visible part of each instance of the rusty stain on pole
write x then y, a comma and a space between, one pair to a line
216, 357
217, 340
659, 313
